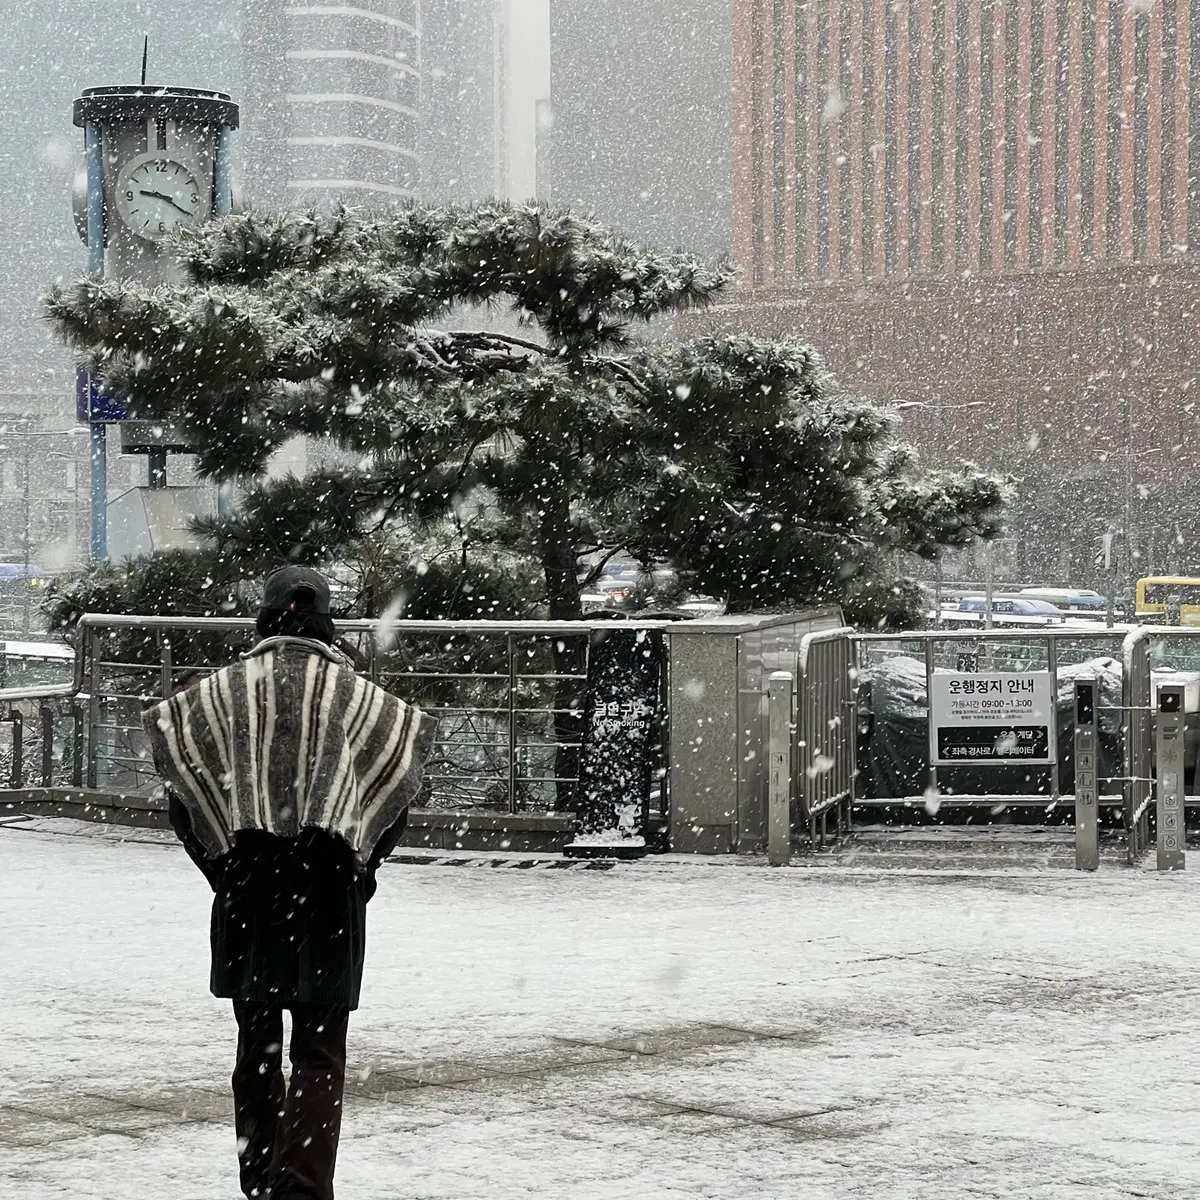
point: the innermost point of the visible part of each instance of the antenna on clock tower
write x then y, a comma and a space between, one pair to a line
145, 55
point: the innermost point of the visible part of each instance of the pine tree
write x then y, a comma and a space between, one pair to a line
560, 445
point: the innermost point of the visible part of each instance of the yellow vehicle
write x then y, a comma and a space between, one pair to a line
1168, 600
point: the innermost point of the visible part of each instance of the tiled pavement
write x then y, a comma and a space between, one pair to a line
614, 1079
851, 1031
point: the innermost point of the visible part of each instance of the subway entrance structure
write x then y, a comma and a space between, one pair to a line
773, 731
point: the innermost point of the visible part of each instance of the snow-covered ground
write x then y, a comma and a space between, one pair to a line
663, 1029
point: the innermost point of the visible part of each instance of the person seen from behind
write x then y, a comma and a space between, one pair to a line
289, 779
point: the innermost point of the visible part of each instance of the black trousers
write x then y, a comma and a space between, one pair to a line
287, 1141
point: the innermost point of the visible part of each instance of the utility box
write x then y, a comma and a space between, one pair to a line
718, 772
145, 519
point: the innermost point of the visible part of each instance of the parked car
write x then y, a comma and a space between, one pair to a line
620, 582
1069, 599
1012, 606
35, 664
701, 606
1011, 610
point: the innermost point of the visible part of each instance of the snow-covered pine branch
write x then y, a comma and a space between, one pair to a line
736, 459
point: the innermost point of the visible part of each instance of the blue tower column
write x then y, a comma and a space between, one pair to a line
93, 157
223, 171
99, 461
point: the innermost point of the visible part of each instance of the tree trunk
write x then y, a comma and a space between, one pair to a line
739, 600
561, 569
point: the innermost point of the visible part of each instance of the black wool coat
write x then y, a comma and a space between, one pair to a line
289, 915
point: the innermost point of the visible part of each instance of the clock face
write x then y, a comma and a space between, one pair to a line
156, 195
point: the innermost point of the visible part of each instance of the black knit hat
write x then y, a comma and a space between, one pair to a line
297, 589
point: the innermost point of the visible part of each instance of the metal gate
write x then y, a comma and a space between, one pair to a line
1156, 654
1137, 727
826, 749
1009, 650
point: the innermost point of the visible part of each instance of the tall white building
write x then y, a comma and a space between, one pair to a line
383, 100
332, 101
522, 96
484, 108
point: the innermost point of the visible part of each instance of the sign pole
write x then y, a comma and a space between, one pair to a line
989, 587
1168, 771
1110, 582
99, 460
222, 205
1087, 826
94, 161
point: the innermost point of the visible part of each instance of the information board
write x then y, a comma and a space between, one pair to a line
94, 406
622, 738
993, 717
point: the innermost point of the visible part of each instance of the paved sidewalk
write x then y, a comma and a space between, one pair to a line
657, 1030
614, 1087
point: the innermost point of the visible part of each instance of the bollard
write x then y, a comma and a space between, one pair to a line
780, 692
1087, 829
1168, 770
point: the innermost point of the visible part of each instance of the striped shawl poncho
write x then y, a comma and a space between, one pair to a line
288, 738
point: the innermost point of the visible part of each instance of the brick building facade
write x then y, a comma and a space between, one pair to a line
988, 213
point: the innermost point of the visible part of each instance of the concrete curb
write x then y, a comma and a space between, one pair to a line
537, 832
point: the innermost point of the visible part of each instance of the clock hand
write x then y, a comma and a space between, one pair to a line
164, 196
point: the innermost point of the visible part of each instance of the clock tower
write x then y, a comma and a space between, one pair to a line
158, 159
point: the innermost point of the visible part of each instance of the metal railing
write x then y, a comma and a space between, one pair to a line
508, 698
994, 650
42, 742
1137, 740
1141, 654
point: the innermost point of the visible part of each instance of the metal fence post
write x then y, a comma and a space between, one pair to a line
18, 752
512, 723
929, 669
78, 745
373, 658
47, 715
95, 710
780, 698
1087, 832
1137, 750
1052, 665
166, 664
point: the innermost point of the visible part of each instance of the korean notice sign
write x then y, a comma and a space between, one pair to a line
991, 718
